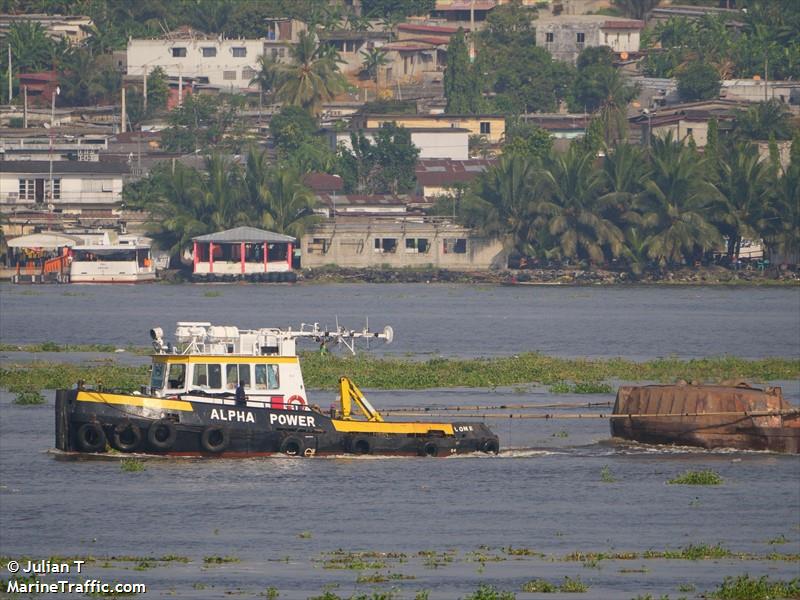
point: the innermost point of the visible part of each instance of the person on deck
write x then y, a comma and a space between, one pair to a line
241, 397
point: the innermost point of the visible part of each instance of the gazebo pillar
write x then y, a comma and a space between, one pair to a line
289, 250
265, 256
195, 257
210, 257
241, 255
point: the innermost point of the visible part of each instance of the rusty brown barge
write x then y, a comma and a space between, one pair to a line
710, 416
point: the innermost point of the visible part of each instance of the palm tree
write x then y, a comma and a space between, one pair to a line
781, 223
624, 172
169, 196
616, 94
30, 47
742, 179
763, 120
277, 196
501, 205
569, 209
677, 204
267, 75
83, 80
310, 80
374, 59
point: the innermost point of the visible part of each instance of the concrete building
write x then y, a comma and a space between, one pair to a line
64, 144
351, 45
432, 142
757, 90
69, 27
335, 204
226, 64
684, 121
562, 126
74, 188
441, 177
493, 127
399, 242
565, 36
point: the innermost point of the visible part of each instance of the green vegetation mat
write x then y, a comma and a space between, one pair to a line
324, 371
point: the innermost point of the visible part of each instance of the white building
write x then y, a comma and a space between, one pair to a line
565, 36
432, 142
73, 188
228, 64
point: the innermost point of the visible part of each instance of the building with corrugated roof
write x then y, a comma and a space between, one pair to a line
243, 253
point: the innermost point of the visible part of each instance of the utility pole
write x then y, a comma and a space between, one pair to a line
10, 78
25, 107
124, 113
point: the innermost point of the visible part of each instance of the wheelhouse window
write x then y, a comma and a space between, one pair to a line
234, 374
267, 377
176, 378
157, 376
207, 376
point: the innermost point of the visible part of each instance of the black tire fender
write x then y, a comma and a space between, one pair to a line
430, 449
490, 447
161, 434
214, 438
126, 437
360, 445
91, 437
292, 446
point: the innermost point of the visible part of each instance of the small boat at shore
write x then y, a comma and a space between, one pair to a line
225, 392
709, 416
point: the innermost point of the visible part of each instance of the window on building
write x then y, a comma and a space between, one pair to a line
549, 37
455, 246
239, 52
229, 75
385, 245
248, 73
486, 127
267, 377
580, 37
178, 52
209, 52
416, 245
320, 245
27, 189
55, 192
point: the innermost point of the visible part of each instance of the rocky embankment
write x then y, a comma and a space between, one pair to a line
563, 276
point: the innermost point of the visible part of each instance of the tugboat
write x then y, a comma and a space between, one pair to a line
226, 392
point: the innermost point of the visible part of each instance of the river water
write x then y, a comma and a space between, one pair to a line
558, 487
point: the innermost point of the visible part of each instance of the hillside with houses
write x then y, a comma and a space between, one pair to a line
276, 140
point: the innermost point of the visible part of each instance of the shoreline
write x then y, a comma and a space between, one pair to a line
567, 276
